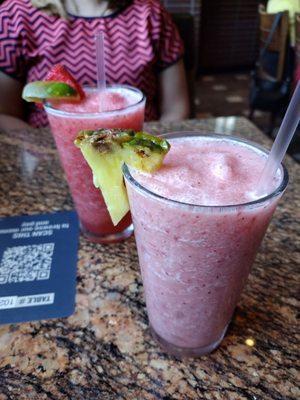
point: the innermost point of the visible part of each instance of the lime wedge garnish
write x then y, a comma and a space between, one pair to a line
39, 91
105, 150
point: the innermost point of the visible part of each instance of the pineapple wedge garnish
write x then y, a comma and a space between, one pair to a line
105, 150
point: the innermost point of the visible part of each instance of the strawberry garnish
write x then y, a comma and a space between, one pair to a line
59, 73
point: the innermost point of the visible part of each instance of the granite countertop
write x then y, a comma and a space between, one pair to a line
104, 351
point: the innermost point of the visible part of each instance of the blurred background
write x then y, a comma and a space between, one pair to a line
242, 58
224, 41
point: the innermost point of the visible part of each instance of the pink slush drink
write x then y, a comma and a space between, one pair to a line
198, 225
117, 107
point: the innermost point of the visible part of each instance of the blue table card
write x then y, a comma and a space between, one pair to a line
38, 259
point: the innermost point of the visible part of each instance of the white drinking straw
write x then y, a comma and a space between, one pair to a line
101, 80
282, 141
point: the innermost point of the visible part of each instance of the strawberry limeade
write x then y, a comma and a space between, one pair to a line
117, 107
198, 224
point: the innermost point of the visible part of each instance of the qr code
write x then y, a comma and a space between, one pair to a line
26, 263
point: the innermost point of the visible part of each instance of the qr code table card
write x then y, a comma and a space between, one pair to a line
38, 260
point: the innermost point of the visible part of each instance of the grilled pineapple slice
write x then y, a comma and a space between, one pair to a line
105, 150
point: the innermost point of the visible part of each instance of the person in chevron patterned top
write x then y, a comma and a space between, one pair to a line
142, 49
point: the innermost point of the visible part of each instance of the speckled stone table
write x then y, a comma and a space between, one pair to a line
104, 351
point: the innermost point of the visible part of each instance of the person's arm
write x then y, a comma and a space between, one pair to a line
11, 103
174, 99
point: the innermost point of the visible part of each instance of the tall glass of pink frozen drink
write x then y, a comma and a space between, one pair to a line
119, 106
198, 225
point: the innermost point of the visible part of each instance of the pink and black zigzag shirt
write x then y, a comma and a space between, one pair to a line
140, 41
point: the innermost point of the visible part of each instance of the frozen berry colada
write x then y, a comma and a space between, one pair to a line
117, 107
198, 224
70, 112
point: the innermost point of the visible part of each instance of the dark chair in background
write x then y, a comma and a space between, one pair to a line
185, 24
272, 76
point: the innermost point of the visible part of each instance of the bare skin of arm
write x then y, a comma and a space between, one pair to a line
11, 104
174, 99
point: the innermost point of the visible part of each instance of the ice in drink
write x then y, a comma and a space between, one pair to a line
198, 224
117, 107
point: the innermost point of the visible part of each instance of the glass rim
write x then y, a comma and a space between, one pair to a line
227, 207
55, 111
